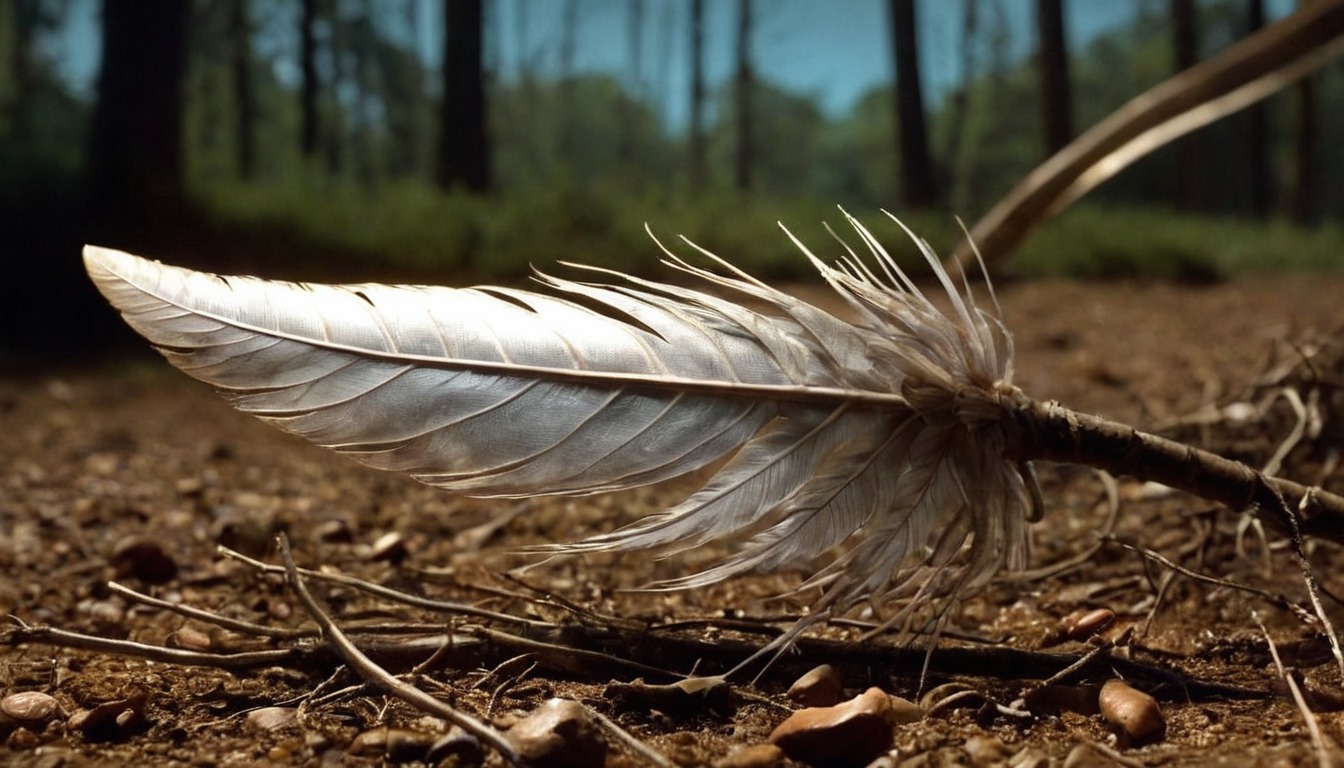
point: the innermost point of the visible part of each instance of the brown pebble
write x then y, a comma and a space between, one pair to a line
144, 558
390, 547
1134, 712
192, 639
819, 687
395, 745
752, 756
559, 734
1083, 623
986, 750
271, 718
852, 733
29, 708
904, 711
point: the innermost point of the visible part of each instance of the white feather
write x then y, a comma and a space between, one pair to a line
832, 430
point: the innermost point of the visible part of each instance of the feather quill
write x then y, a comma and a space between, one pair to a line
864, 435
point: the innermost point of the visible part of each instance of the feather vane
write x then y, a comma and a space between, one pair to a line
830, 432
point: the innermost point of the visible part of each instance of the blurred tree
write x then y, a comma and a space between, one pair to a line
1053, 59
1255, 147
464, 148
310, 87
698, 167
1185, 52
244, 90
918, 186
634, 62
744, 83
958, 102
135, 168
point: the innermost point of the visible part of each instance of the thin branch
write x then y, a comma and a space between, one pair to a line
66, 639
236, 625
1313, 728
380, 678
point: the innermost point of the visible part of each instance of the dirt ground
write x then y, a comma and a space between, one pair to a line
135, 473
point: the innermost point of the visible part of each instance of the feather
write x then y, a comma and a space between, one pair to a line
828, 434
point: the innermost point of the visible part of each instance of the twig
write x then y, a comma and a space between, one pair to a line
1278, 601
237, 625
1313, 728
629, 740
380, 678
378, 590
66, 639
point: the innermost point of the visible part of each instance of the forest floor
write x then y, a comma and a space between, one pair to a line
134, 473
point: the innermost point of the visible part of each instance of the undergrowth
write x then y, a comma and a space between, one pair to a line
411, 228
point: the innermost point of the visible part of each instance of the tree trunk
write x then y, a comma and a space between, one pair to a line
745, 84
1185, 52
628, 150
1259, 183
918, 188
1056, 102
698, 165
1303, 205
135, 168
464, 148
240, 32
310, 121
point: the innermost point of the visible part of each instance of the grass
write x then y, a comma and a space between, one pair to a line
412, 229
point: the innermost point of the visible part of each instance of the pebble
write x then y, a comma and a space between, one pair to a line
752, 756
395, 745
272, 718
390, 547
852, 733
192, 639
457, 748
144, 558
819, 687
559, 734
111, 720
986, 750
1134, 712
685, 698
29, 708
1083, 623
1029, 757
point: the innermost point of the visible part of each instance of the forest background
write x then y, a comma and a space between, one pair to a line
463, 140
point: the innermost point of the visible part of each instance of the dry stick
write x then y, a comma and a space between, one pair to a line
378, 590
224, 622
380, 678
61, 638
1313, 728
1047, 431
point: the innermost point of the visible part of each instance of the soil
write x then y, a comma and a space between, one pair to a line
135, 474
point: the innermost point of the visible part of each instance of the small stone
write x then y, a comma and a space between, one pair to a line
457, 748
111, 720
1029, 757
559, 734
390, 547
334, 532
272, 718
690, 697
752, 756
189, 486
819, 687
852, 733
29, 708
395, 745
904, 711
192, 639
986, 750
1082, 623
1134, 712
144, 558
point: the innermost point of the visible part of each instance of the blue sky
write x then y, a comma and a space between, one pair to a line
832, 51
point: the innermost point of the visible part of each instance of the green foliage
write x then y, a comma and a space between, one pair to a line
1115, 242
